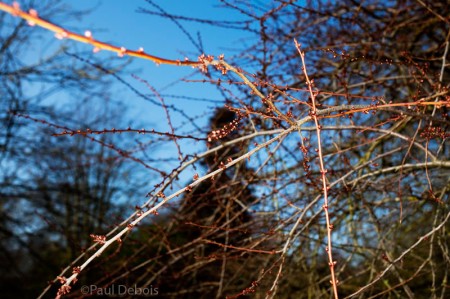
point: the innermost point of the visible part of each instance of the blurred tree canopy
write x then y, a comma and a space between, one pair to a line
55, 191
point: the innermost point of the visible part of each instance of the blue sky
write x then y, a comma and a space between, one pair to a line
120, 23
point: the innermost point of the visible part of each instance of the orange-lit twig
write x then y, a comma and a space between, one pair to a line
323, 171
34, 20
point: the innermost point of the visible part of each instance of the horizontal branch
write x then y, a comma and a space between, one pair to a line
34, 20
